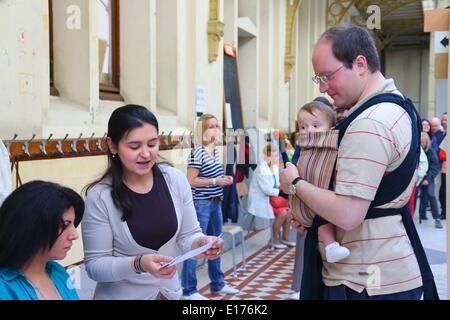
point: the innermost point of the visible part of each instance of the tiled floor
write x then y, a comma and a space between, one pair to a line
267, 276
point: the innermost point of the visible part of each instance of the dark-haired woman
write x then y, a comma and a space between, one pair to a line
37, 225
137, 214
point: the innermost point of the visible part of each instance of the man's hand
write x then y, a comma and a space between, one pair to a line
286, 177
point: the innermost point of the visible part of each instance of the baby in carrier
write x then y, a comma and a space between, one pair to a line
318, 143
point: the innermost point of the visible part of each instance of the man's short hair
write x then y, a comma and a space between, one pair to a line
349, 41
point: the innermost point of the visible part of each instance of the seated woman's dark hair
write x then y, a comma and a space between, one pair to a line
31, 219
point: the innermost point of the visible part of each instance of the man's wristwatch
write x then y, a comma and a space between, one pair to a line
292, 188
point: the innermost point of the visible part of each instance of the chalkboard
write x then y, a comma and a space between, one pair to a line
232, 91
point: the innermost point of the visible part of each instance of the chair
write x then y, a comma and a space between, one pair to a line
233, 231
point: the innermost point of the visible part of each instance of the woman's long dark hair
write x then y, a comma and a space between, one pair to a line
121, 122
31, 219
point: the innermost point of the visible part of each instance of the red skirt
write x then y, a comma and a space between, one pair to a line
279, 204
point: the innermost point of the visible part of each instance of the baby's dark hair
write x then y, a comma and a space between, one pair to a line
329, 113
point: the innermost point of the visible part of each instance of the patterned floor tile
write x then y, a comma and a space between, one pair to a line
268, 276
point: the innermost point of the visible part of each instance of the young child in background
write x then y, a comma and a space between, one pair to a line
318, 117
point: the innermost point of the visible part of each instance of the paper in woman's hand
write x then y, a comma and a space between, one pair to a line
190, 254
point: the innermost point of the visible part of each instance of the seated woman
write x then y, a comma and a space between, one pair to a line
37, 225
264, 200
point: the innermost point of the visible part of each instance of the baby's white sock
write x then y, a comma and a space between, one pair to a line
335, 252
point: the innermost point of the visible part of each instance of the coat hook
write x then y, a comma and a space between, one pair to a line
183, 137
8, 144
168, 138
44, 144
161, 138
74, 143
86, 142
60, 142
99, 142
26, 145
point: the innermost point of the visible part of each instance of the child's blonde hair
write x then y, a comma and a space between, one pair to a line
428, 141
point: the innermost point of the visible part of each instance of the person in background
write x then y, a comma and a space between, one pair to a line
37, 226
444, 121
426, 126
442, 157
437, 132
206, 178
265, 199
443, 161
421, 171
427, 193
137, 215
5, 173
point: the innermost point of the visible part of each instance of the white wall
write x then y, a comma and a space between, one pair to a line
24, 67
167, 46
138, 52
76, 54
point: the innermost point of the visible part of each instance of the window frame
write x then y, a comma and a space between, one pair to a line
53, 90
112, 91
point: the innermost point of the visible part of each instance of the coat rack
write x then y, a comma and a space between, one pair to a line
42, 149
47, 149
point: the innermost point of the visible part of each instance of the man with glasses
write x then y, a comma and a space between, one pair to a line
375, 172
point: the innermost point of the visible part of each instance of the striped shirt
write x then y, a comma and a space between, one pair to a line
208, 168
381, 259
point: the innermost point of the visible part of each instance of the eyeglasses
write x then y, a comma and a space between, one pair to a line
326, 77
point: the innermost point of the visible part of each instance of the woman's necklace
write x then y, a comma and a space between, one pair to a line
39, 291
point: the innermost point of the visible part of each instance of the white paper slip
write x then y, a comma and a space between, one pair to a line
190, 254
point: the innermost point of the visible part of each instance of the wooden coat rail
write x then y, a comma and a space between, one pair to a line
45, 149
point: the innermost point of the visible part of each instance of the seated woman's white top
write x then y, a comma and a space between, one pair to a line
261, 188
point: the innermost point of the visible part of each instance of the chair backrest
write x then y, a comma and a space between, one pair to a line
242, 189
